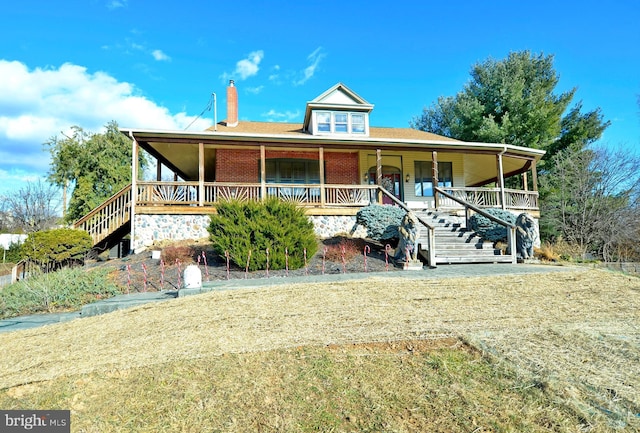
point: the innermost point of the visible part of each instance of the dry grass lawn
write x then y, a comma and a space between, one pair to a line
573, 336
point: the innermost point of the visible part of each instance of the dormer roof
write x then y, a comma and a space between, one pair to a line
337, 98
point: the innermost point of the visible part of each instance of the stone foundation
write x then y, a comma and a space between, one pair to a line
152, 228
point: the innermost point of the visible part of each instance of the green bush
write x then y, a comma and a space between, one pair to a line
53, 249
489, 230
14, 253
240, 227
381, 221
66, 289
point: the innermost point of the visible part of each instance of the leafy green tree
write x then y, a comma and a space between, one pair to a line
56, 248
95, 166
514, 101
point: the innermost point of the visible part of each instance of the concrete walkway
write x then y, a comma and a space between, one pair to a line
135, 299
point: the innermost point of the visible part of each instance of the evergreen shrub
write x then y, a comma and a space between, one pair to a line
242, 227
489, 230
381, 221
53, 249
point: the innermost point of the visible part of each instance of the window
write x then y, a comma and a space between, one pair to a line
424, 180
340, 122
324, 122
357, 123
292, 171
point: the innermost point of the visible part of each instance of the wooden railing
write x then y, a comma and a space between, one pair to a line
511, 228
108, 217
490, 197
431, 234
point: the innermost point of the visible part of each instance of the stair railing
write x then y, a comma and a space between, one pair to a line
431, 234
511, 228
108, 217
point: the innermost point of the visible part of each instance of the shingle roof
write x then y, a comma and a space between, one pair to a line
293, 129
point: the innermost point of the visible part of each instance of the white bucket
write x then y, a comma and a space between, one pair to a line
192, 277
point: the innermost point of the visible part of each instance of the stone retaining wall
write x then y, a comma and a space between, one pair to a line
152, 228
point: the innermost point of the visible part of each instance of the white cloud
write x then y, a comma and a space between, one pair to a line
245, 68
160, 56
37, 104
276, 116
116, 4
314, 59
254, 90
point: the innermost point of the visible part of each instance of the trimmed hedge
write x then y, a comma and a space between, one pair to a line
381, 221
53, 249
489, 230
251, 227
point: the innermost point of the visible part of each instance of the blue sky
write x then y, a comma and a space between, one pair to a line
155, 64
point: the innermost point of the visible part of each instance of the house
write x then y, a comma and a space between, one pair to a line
333, 163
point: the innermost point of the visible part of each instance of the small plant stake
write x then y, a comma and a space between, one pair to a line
246, 269
206, 267
343, 251
286, 261
161, 274
306, 267
128, 279
387, 248
226, 255
367, 249
267, 262
144, 270
179, 272
324, 256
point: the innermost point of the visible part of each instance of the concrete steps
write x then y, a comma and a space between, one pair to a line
456, 244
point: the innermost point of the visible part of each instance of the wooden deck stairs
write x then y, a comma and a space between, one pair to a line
456, 244
110, 222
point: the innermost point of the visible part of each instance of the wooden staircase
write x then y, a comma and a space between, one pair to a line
109, 222
456, 244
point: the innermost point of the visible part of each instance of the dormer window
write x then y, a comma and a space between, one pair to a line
340, 122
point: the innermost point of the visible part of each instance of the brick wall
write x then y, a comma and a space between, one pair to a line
237, 165
243, 165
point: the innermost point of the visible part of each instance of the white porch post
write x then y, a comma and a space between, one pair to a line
134, 189
201, 174
501, 180
379, 172
263, 172
322, 188
434, 177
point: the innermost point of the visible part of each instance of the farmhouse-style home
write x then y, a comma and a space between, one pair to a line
333, 163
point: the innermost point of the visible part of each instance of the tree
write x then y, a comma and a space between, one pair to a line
513, 101
33, 207
590, 199
96, 166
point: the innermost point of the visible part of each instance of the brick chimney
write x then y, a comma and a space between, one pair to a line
232, 105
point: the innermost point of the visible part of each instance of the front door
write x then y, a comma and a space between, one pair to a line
391, 181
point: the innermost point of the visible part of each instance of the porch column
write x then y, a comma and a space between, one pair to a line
500, 179
158, 170
534, 175
322, 188
263, 172
525, 181
434, 177
134, 189
379, 172
200, 174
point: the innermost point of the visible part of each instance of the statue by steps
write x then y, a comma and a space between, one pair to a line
526, 236
407, 251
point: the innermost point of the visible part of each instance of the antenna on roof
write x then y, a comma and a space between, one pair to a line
212, 101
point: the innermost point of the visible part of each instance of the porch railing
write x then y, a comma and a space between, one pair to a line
188, 193
490, 197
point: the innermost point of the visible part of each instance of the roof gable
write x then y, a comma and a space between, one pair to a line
337, 98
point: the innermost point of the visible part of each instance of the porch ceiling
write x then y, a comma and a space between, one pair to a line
483, 169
